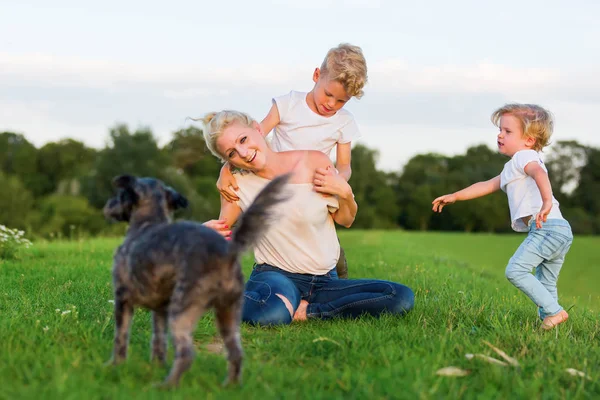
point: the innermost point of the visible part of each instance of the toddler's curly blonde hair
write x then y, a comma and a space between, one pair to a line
536, 121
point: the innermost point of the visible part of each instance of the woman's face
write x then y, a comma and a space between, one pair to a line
244, 147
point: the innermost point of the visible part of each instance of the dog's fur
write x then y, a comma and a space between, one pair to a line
180, 269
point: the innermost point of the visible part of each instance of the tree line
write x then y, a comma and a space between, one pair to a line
59, 189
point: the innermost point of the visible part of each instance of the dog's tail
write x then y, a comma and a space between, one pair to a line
257, 219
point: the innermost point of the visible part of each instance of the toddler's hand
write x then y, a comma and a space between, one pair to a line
542, 216
226, 184
442, 201
220, 226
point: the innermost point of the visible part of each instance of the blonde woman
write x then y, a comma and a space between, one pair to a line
294, 277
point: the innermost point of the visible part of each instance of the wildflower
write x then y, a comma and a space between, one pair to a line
45, 329
10, 241
66, 312
111, 301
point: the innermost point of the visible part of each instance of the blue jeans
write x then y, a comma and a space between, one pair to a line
544, 249
327, 296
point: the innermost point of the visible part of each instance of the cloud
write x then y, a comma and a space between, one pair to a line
407, 108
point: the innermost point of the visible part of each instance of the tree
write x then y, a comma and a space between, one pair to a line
126, 153
63, 161
16, 202
373, 193
564, 164
188, 153
18, 157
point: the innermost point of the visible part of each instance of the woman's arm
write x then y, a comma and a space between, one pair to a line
230, 212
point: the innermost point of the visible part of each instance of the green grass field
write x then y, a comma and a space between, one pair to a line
56, 327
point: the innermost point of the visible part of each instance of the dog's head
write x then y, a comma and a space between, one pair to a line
147, 196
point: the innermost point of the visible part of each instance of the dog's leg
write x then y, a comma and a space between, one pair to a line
182, 323
228, 321
159, 336
123, 317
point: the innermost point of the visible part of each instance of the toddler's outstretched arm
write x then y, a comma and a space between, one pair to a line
543, 183
474, 191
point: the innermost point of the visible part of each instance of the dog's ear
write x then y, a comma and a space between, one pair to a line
114, 210
175, 200
124, 181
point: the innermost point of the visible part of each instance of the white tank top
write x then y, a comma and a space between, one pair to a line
303, 238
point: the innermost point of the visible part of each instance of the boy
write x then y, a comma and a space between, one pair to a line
316, 121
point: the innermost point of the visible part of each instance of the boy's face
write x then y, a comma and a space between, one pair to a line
510, 137
328, 96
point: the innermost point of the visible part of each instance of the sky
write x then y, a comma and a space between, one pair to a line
437, 69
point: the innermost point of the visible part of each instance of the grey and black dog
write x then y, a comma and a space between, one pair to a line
179, 270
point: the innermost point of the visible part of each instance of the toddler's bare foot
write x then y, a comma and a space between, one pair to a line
300, 314
554, 320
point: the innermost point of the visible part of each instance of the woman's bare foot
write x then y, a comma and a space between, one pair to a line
287, 303
554, 320
300, 314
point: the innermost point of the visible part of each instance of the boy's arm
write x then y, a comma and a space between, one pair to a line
542, 181
347, 210
226, 184
270, 121
342, 160
474, 191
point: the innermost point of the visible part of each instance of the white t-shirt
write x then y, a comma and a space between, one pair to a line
524, 197
303, 238
300, 128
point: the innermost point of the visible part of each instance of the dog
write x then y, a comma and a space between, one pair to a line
179, 270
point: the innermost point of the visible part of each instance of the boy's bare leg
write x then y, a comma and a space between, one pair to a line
342, 265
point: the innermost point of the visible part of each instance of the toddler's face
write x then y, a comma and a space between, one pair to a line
510, 137
329, 96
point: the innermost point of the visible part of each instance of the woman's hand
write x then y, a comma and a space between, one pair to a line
227, 184
219, 225
328, 181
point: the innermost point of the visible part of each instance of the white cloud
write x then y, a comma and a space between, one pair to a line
407, 108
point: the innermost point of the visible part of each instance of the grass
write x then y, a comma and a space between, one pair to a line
462, 300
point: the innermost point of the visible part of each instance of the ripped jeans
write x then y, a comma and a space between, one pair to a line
327, 296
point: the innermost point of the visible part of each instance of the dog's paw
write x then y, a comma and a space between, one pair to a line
164, 385
231, 382
112, 362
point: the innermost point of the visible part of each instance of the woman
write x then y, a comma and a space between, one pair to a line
294, 277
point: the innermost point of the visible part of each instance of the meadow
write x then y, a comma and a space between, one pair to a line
56, 329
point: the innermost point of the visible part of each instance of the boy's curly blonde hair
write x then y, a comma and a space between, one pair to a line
536, 121
347, 65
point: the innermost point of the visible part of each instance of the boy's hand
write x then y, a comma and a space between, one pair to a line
442, 201
328, 181
542, 216
227, 184
219, 225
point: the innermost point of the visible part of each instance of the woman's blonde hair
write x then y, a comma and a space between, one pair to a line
346, 65
536, 121
216, 122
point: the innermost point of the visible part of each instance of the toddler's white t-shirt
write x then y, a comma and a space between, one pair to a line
524, 197
300, 128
